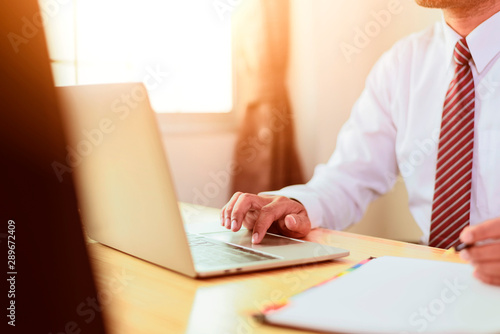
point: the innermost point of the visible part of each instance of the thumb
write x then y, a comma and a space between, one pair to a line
298, 225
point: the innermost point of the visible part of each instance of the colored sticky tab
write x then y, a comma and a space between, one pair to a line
275, 306
356, 266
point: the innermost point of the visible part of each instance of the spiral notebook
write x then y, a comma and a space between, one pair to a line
395, 295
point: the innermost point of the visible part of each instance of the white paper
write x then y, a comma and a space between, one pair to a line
397, 295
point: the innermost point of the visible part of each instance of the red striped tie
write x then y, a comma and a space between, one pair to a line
451, 204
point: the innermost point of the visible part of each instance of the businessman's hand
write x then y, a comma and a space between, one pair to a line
486, 258
259, 214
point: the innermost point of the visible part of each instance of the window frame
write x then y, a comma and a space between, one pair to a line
172, 122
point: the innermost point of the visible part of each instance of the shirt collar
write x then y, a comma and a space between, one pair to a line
483, 42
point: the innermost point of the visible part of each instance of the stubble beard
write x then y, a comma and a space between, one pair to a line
444, 4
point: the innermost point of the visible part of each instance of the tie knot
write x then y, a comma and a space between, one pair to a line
462, 54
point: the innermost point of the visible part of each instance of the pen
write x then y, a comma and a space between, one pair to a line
463, 246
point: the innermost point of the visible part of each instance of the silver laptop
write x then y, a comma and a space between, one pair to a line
126, 195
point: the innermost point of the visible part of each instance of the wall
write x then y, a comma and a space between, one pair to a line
325, 82
199, 165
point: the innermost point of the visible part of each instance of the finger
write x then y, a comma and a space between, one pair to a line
250, 218
297, 225
242, 206
488, 268
490, 229
222, 214
222, 211
271, 212
494, 280
261, 225
482, 253
228, 208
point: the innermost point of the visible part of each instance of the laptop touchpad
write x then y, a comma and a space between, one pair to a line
244, 238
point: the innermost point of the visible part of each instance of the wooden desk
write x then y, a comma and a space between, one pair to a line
140, 297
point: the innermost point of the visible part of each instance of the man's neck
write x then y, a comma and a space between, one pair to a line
465, 19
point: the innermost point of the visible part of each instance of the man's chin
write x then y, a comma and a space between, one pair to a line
437, 3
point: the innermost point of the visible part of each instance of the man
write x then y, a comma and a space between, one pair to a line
430, 111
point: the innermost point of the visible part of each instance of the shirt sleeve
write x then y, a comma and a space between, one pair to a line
363, 165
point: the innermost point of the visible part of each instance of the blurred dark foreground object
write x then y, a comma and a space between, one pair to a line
52, 280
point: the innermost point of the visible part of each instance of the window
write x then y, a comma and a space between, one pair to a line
180, 49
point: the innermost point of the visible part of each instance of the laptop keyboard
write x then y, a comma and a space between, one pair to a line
208, 252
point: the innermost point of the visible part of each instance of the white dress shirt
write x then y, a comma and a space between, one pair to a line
394, 129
